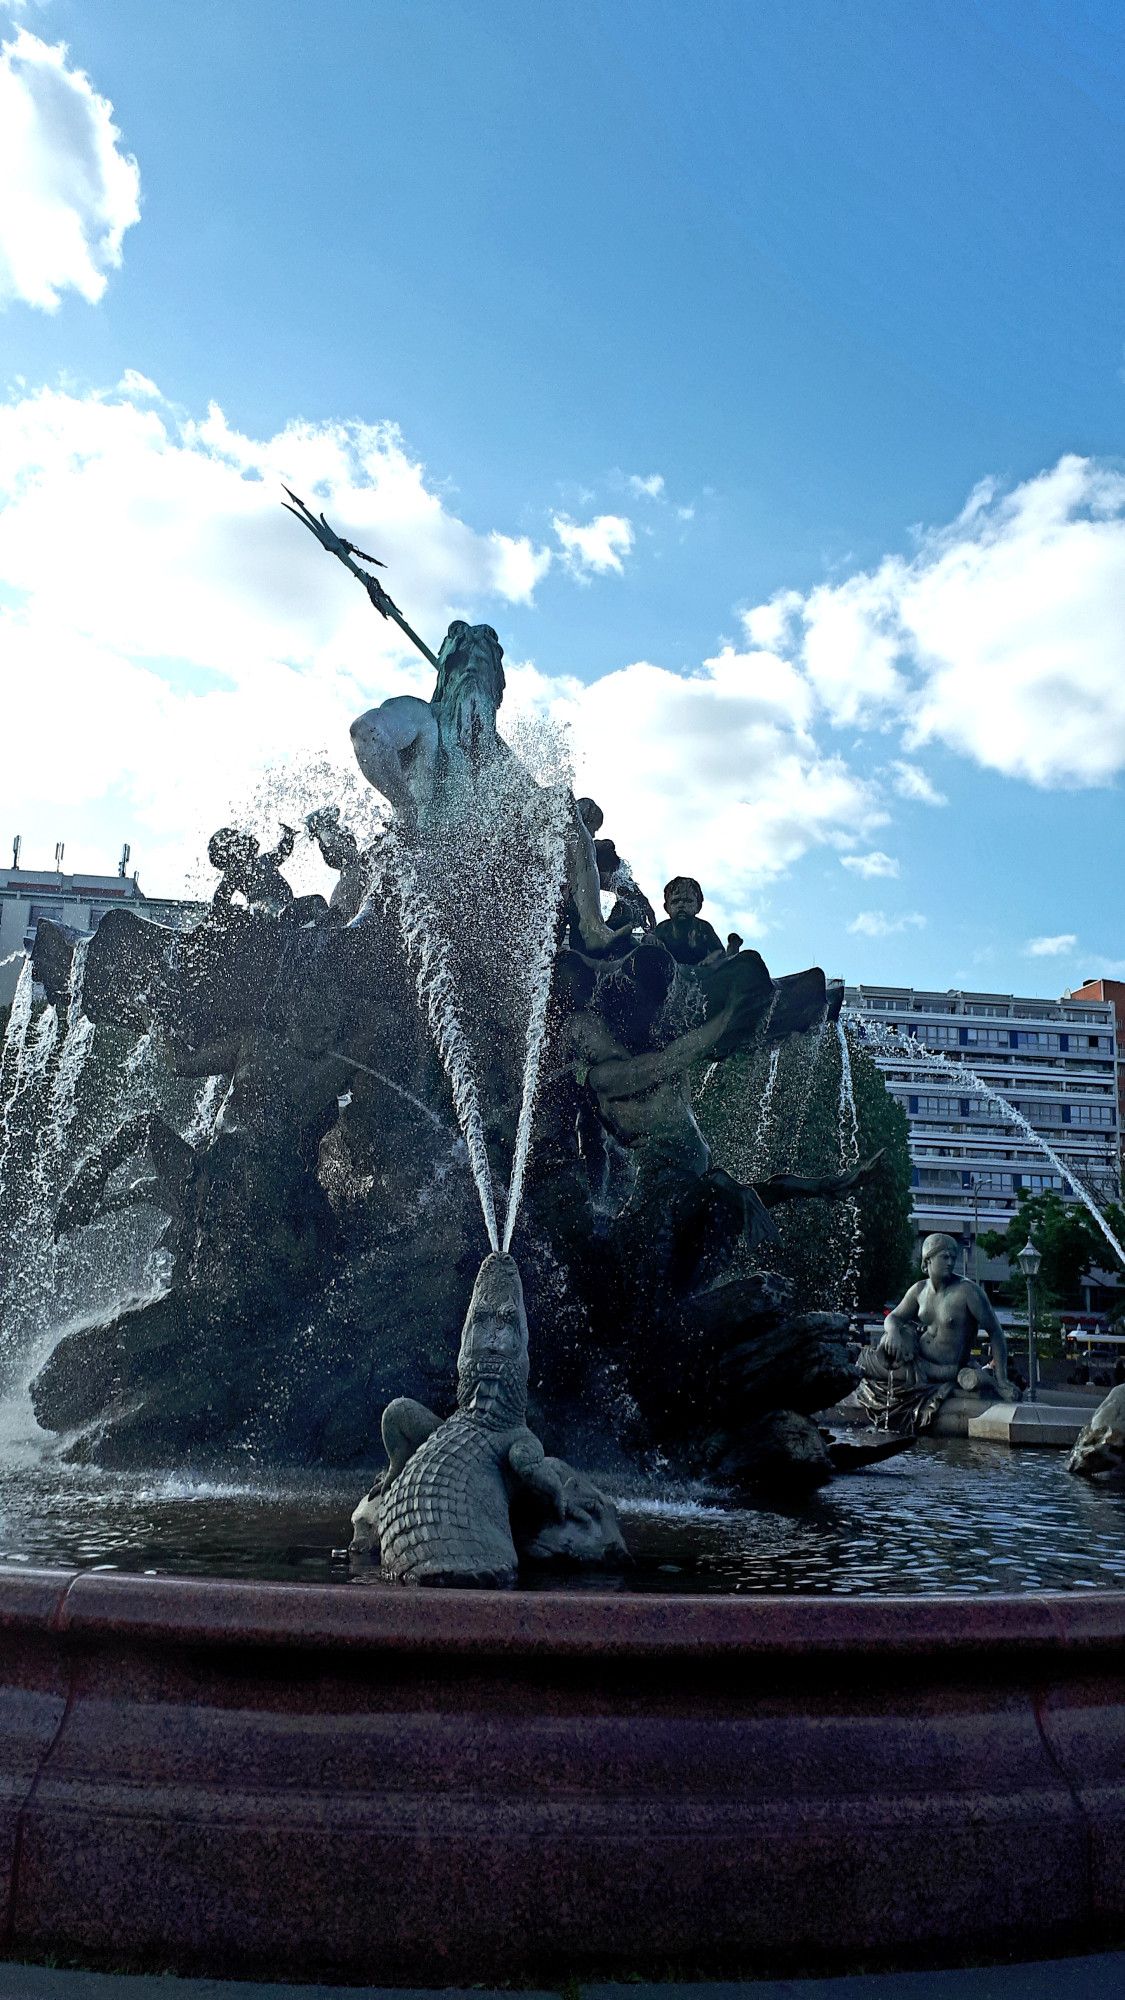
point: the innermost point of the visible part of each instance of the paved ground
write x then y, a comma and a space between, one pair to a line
1101, 1977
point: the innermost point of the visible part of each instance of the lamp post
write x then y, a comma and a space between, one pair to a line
1029, 1261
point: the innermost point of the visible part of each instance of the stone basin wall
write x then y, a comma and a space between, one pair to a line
433, 1788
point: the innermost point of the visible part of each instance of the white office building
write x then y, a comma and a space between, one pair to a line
79, 901
1052, 1060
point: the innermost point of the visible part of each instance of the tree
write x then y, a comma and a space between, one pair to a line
1066, 1237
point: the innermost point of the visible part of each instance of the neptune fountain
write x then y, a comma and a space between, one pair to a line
484, 1033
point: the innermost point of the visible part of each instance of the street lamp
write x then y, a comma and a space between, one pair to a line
1029, 1261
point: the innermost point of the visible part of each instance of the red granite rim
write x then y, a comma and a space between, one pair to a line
227, 1611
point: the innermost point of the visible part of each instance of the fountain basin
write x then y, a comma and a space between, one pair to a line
436, 1787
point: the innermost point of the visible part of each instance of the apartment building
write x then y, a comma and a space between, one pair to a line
1054, 1061
1113, 991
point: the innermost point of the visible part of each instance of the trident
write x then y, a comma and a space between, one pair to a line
337, 546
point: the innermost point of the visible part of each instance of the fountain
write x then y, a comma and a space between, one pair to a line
252, 1173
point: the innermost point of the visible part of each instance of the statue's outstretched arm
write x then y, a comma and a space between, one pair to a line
585, 886
83, 1197
818, 1187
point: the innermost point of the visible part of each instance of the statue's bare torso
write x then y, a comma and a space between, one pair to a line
408, 748
947, 1318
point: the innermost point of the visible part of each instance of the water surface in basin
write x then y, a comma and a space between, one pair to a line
949, 1516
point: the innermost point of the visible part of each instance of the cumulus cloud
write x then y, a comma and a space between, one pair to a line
518, 566
876, 923
1051, 947
911, 782
68, 192
650, 485
870, 865
715, 774
1002, 636
140, 387
597, 547
167, 630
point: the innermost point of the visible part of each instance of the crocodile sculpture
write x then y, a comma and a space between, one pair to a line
457, 1495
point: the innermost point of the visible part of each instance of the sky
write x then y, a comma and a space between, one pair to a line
757, 371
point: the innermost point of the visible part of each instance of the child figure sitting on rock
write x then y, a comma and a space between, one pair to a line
689, 938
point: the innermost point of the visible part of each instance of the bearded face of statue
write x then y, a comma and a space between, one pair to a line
470, 683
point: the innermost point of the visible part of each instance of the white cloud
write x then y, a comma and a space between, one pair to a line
67, 191
1001, 638
167, 629
876, 924
650, 487
771, 625
850, 649
870, 865
910, 782
714, 774
140, 387
518, 566
1051, 947
598, 546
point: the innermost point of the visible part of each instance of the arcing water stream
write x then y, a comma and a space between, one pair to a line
552, 876
848, 1121
428, 952
908, 1053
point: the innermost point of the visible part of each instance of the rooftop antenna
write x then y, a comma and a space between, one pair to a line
17, 843
60, 850
124, 861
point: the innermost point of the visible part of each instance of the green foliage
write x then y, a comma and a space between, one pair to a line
754, 1132
1068, 1240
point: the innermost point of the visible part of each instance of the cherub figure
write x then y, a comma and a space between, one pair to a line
249, 874
340, 849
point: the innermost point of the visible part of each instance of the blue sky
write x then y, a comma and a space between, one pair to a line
824, 271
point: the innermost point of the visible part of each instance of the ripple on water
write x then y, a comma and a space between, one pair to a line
954, 1517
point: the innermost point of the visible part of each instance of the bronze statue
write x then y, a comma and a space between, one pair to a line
926, 1345
340, 850
688, 936
247, 873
